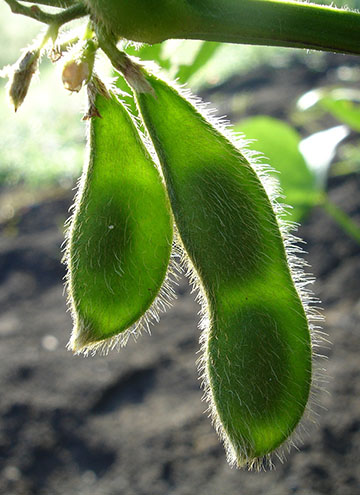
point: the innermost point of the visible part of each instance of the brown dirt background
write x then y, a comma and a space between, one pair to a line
133, 423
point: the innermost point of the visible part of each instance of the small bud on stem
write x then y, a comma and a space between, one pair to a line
78, 69
75, 73
21, 77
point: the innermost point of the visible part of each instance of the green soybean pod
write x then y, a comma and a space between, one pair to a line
120, 236
257, 353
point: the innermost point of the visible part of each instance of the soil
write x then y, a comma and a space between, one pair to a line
133, 423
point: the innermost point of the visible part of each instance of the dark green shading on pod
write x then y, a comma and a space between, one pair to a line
121, 233
257, 347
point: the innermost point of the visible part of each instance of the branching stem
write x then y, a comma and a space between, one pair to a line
53, 3
74, 12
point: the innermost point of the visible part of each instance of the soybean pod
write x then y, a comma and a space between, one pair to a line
120, 236
257, 353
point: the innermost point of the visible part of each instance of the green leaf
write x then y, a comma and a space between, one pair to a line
342, 103
206, 51
319, 150
279, 143
343, 109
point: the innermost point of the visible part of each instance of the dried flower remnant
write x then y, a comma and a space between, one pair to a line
21, 76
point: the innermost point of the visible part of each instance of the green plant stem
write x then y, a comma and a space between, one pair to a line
347, 224
131, 71
67, 15
52, 3
256, 22
278, 23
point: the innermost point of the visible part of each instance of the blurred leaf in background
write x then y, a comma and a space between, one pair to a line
279, 143
43, 144
341, 103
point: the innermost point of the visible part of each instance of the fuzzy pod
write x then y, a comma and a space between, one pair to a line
120, 236
257, 352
